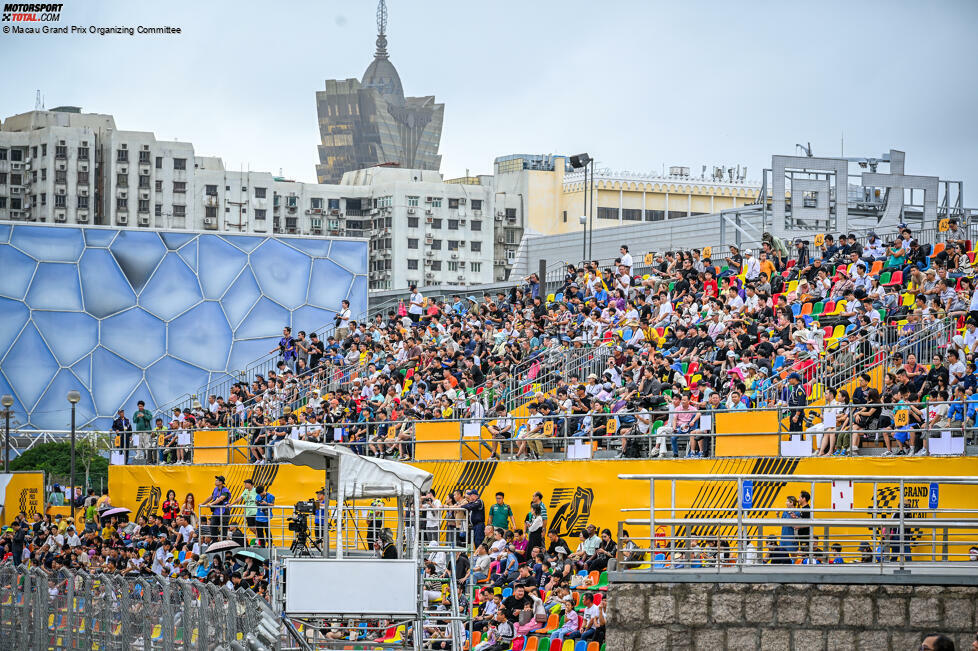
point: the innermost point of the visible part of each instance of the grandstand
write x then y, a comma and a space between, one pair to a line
770, 362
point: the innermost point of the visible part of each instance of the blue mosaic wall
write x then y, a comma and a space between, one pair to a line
126, 315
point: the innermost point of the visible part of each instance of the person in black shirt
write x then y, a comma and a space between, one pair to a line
316, 350
776, 554
555, 542
802, 534
516, 602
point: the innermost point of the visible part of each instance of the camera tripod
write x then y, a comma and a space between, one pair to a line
303, 543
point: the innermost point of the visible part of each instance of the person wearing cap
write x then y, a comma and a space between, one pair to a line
122, 427
796, 400
751, 267
217, 503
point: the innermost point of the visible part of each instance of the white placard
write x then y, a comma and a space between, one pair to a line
183, 438
337, 433
116, 458
579, 449
471, 430
829, 417
842, 495
706, 422
370, 586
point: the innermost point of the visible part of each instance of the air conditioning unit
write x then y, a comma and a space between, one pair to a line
62, 191
122, 220
317, 231
59, 217
429, 199
429, 275
144, 220
455, 256
83, 191
411, 211
461, 277
334, 212
428, 240
82, 218
461, 242
374, 212
210, 221
309, 212
500, 213
461, 201
429, 212
430, 254
427, 263
461, 222
428, 220
461, 264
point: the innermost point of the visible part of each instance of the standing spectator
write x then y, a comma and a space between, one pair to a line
342, 321
286, 348
249, 498
500, 514
143, 421
217, 503
123, 431
170, 507
264, 501
477, 514
416, 308
626, 258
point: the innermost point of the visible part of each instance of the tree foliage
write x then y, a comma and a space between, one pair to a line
55, 460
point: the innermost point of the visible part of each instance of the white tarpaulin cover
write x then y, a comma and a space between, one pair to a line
359, 476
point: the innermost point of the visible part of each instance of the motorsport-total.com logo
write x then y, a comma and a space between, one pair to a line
31, 13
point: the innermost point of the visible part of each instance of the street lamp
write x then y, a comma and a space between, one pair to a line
73, 398
577, 162
7, 401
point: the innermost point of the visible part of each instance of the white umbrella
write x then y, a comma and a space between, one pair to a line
221, 545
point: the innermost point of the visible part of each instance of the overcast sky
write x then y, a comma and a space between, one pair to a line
637, 84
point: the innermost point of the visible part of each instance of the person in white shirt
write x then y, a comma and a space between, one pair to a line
186, 530
416, 308
626, 257
734, 301
752, 268
73, 539
161, 559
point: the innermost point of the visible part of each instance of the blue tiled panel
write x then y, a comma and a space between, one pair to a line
135, 315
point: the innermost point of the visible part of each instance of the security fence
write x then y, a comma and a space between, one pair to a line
77, 609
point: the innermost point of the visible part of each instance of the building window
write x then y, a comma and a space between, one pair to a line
677, 214
475, 245
453, 203
3, 156
412, 222
436, 223
334, 204
144, 182
476, 225
44, 174
316, 203
511, 236
436, 202
436, 265
210, 190
412, 242
511, 213
292, 201
412, 264
159, 162
436, 245
453, 245
159, 186
453, 224
179, 163
476, 204
82, 202
654, 215
3, 178
607, 213
259, 213
61, 177
210, 212
453, 265
60, 151
144, 205
122, 203
475, 267
83, 153
631, 214
60, 201
144, 157
158, 210
565, 216
122, 155
260, 193
179, 210
180, 186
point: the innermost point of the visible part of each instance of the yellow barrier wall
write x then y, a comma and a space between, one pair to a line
749, 445
22, 491
581, 492
211, 446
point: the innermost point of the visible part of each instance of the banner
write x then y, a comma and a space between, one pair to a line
577, 493
22, 491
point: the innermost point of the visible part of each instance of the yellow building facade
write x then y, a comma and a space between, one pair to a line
553, 197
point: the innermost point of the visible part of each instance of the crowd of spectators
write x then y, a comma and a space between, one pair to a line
686, 337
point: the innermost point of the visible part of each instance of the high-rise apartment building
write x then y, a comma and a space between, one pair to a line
370, 122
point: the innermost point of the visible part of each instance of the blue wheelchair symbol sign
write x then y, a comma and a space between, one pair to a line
747, 495
933, 496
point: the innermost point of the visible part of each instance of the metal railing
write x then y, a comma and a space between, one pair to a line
749, 524
833, 428
77, 609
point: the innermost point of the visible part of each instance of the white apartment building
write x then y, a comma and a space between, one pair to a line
66, 166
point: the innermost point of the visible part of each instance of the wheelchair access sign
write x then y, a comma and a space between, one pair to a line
932, 496
747, 494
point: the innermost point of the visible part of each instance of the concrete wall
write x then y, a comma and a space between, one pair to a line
793, 617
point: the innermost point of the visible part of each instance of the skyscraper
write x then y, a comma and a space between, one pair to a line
370, 122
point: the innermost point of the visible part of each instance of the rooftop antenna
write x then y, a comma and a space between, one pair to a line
381, 29
38, 101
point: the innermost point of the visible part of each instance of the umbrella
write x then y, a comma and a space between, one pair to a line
221, 545
119, 510
250, 554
